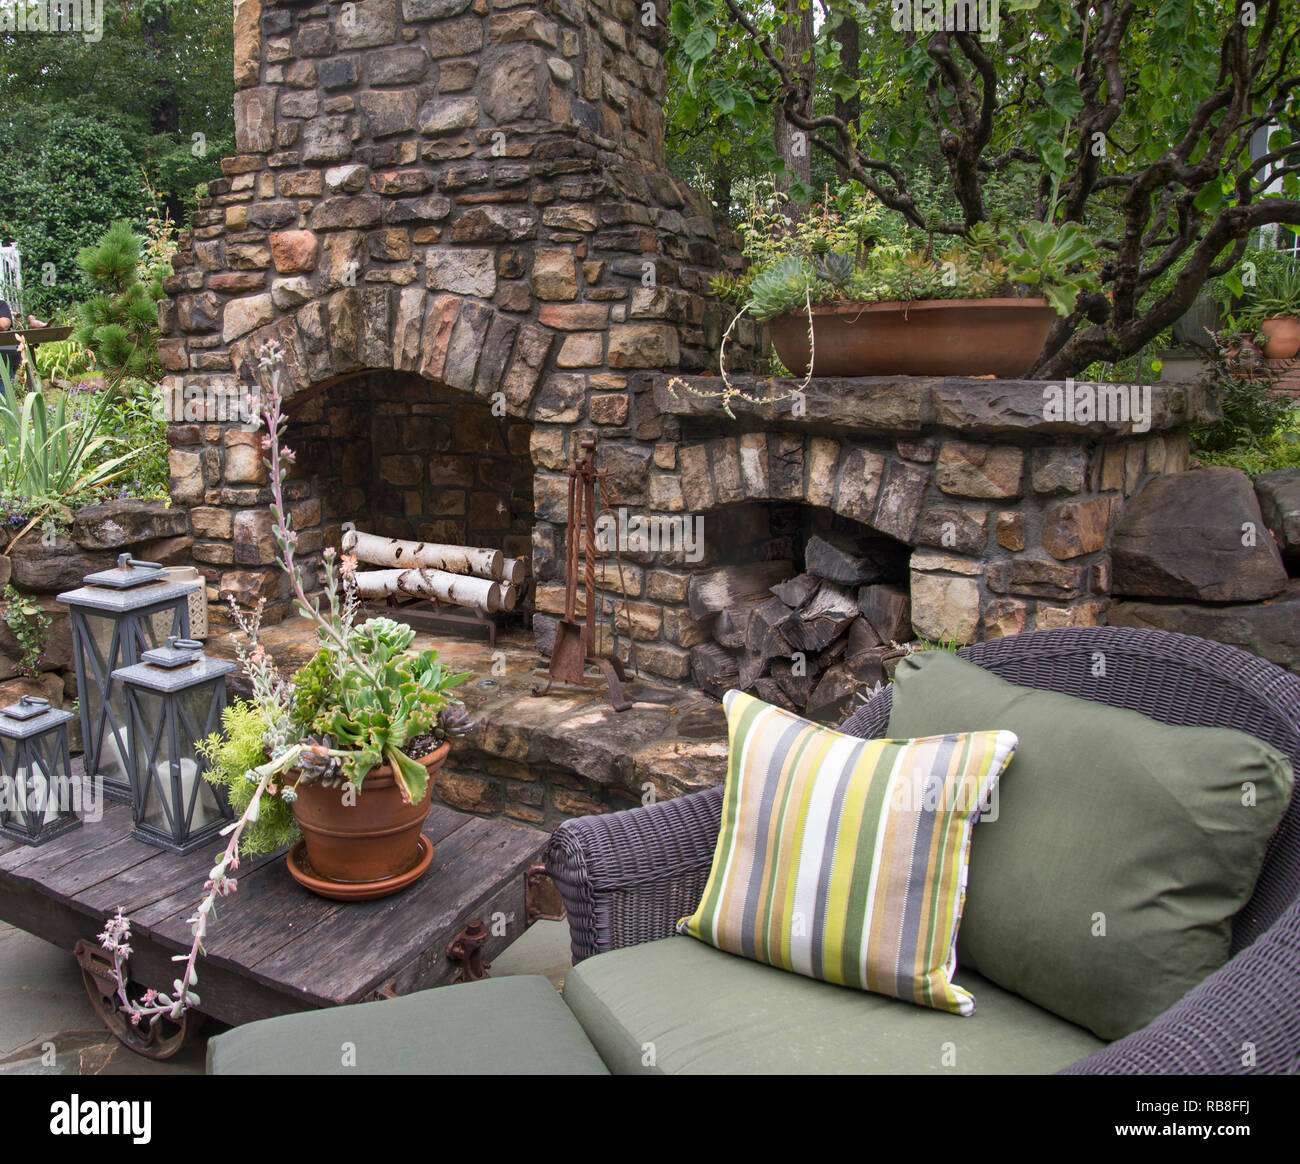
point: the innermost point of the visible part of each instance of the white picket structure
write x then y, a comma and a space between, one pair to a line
11, 280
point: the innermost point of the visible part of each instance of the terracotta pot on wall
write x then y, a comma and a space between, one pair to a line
928, 337
1283, 333
375, 839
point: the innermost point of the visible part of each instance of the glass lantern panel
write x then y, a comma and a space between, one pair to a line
195, 706
43, 791
12, 790
153, 781
177, 800
112, 762
156, 627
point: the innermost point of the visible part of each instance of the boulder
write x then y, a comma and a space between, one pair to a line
1268, 629
1197, 535
46, 686
61, 564
1279, 501
57, 653
126, 523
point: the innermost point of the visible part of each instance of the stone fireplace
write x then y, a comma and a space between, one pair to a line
453, 217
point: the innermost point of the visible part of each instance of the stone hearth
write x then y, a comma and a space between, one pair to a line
542, 759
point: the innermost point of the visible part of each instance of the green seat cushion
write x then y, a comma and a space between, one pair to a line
497, 1026
1104, 886
679, 1007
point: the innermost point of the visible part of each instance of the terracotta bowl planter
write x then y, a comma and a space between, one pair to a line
375, 839
930, 337
1283, 333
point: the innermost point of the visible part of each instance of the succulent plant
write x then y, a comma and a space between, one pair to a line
835, 268
783, 285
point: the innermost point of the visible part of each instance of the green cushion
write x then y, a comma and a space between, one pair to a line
497, 1026
679, 1007
1104, 888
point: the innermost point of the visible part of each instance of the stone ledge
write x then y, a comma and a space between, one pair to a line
913, 404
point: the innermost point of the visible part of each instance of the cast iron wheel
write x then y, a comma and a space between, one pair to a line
159, 1040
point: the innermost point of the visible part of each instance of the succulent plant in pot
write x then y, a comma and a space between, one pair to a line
982, 306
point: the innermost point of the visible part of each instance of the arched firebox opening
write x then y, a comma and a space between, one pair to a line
804, 607
394, 454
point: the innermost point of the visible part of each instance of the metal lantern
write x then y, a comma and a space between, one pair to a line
174, 698
39, 791
117, 615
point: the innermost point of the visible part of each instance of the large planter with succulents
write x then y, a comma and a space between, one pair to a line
364, 845
927, 337
983, 307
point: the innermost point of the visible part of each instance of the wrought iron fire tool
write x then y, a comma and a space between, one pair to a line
575, 643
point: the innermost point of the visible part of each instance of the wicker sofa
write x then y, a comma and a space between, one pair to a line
640, 1000
629, 876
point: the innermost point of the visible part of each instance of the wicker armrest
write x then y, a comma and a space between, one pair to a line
627, 877
1242, 1020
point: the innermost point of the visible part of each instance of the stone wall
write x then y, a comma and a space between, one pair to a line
1009, 513
464, 191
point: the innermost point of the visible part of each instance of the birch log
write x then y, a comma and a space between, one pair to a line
513, 571
479, 593
380, 551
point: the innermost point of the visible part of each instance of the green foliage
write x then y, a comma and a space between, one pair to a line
374, 719
120, 324
1047, 266
315, 686
139, 423
29, 622
835, 253
1056, 260
91, 129
1280, 451
1277, 294
63, 359
920, 141
50, 455
62, 178
1259, 431
783, 286
231, 755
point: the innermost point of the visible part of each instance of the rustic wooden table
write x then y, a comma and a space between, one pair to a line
276, 948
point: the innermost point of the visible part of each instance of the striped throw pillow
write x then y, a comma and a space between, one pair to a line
844, 859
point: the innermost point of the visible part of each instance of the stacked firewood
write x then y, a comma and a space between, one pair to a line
803, 641
483, 580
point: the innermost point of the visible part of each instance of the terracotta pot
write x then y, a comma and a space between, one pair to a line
373, 839
930, 337
1283, 333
